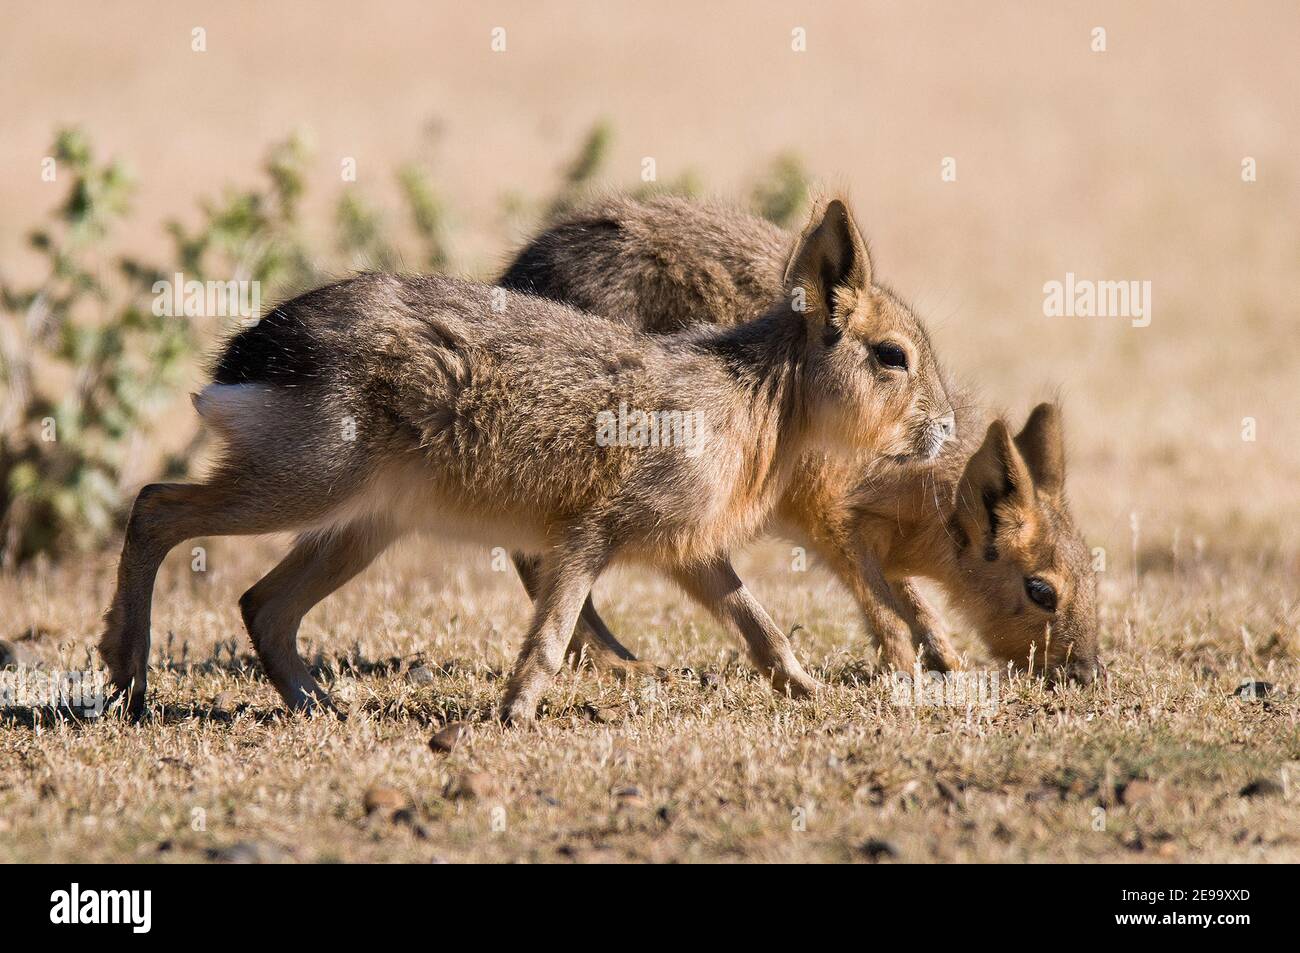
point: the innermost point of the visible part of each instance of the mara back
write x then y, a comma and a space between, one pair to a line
459, 407
663, 264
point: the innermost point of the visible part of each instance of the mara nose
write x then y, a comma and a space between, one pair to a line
946, 425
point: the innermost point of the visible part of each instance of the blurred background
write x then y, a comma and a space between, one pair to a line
217, 141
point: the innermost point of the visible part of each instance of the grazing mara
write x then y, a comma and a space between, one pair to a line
386, 403
991, 525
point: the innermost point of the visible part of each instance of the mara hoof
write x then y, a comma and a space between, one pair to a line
796, 685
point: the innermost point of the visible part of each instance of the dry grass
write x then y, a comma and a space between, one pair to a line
720, 771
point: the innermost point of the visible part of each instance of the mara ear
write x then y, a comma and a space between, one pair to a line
829, 265
995, 475
1042, 444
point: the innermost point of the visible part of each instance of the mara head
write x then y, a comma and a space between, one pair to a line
1026, 575
873, 383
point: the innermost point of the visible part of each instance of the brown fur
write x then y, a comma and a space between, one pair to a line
381, 404
669, 263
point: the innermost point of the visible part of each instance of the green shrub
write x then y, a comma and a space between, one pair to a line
61, 457
112, 360
781, 195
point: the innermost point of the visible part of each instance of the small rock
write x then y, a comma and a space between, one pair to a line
247, 852
1044, 792
1262, 787
223, 704
629, 797
384, 801
1138, 791
877, 850
603, 715
472, 786
420, 675
1249, 689
446, 738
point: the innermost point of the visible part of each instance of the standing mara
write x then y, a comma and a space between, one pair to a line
382, 404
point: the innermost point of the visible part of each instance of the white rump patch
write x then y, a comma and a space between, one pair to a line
234, 409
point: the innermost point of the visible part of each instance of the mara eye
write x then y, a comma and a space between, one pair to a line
890, 355
1041, 593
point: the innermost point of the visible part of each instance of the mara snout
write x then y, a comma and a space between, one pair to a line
374, 406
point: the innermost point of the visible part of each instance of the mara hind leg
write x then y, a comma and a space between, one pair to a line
163, 516
928, 632
563, 580
716, 586
592, 639
319, 563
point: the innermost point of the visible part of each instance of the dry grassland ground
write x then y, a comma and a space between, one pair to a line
1125, 165
705, 765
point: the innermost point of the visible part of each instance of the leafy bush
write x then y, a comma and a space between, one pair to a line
60, 458
781, 195
111, 358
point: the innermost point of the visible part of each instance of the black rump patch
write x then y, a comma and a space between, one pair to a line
540, 267
279, 349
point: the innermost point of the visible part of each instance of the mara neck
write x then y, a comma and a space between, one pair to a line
765, 362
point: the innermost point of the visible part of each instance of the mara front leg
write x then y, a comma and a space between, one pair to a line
928, 633
592, 639
716, 586
564, 577
859, 569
